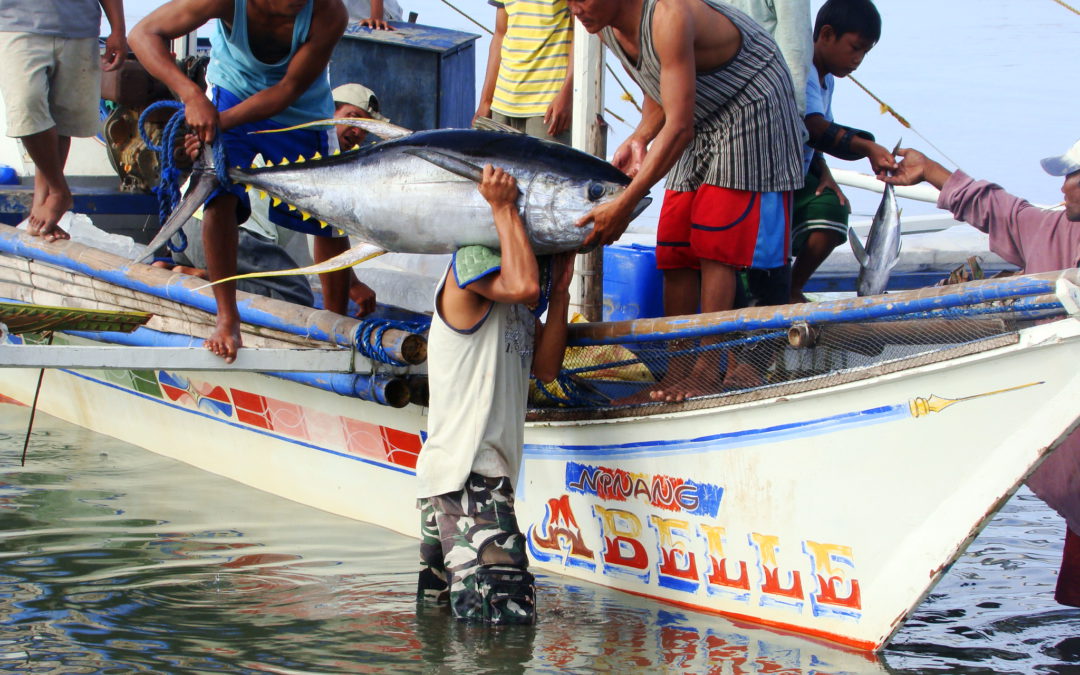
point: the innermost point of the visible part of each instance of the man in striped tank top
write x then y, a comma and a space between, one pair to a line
529, 83
720, 119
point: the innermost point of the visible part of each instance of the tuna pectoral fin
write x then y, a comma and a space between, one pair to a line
202, 184
381, 129
454, 165
354, 256
488, 124
857, 248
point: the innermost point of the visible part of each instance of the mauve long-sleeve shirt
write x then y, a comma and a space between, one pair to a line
1037, 240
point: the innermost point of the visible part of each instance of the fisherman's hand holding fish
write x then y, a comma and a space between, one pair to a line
915, 168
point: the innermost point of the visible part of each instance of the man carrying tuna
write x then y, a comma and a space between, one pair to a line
485, 339
268, 70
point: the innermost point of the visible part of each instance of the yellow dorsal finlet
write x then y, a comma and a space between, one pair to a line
274, 201
317, 155
291, 207
300, 159
305, 215
262, 194
284, 161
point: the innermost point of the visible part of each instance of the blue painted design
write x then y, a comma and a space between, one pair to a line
714, 442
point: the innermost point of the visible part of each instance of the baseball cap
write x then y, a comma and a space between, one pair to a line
361, 97
1065, 164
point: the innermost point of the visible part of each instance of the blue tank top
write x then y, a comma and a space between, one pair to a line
233, 67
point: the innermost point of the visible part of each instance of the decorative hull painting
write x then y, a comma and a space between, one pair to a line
815, 513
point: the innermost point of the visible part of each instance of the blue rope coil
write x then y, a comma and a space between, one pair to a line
369, 335
168, 187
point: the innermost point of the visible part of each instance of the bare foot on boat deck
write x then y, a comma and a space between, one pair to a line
225, 340
45, 215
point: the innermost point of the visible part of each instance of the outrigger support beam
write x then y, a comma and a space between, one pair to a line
127, 357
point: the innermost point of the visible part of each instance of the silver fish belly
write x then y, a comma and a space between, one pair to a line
882, 250
387, 195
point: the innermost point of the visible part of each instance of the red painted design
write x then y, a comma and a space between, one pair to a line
562, 528
251, 409
402, 448
830, 592
287, 418
364, 439
773, 586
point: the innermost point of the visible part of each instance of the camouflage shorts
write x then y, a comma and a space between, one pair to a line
471, 539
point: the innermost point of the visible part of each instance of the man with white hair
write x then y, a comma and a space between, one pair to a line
1037, 240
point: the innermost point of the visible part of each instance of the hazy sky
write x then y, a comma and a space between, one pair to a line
989, 82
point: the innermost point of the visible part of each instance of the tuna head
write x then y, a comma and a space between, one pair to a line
552, 204
559, 185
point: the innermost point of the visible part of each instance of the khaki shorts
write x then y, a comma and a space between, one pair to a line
50, 81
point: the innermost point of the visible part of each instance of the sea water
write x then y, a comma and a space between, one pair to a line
116, 560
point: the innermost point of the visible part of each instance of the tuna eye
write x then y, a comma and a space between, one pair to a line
596, 191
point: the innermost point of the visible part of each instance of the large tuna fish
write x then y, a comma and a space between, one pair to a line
417, 193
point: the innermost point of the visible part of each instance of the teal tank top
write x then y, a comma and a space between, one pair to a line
233, 67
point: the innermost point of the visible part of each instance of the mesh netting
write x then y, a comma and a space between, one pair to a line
711, 370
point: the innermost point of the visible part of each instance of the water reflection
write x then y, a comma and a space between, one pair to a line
115, 560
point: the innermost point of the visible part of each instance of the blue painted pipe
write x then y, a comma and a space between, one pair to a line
850, 310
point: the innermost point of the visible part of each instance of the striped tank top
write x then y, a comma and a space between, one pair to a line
747, 130
234, 68
535, 56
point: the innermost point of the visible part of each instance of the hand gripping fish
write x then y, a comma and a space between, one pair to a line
416, 191
882, 250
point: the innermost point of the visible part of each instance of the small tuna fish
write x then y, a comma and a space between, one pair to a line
882, 250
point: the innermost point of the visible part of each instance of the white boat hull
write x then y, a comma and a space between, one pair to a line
829, 512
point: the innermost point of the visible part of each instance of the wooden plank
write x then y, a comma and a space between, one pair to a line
180, 358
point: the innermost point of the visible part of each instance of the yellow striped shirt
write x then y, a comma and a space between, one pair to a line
535, 56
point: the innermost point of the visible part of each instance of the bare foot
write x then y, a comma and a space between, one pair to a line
225, 340
45, 217
741, 375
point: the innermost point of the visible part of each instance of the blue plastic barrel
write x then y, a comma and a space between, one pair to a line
633, 287
8, 176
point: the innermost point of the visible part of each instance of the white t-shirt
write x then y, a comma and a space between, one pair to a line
478, 384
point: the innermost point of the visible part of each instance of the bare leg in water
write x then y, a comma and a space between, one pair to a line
52, 196
220, 234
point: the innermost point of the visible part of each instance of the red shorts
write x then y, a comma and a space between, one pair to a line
735, 227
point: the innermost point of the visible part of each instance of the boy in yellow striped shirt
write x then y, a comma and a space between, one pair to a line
529, 81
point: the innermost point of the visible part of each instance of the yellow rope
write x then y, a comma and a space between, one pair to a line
1067, 6
886, 108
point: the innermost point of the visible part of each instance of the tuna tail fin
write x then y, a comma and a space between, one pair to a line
203, 183
381, 129
857, 248
454, 165
354, 256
